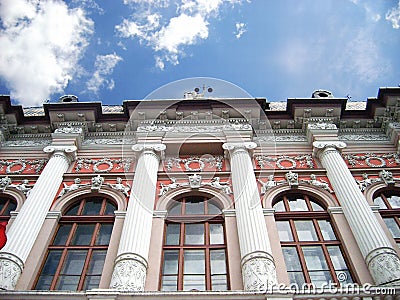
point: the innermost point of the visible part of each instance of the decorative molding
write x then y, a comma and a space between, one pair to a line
129, 273
265, 186
384, 265
24, 165
298, 161
384, 160
259, 272
69, 130
10, 270
97, 182
193, 128
239, 146
212, 162
366, 181
26, 143
110, 141
73, 187
363, 137
292, 179
195, 182
321, 126
68, 152
318, 183
85, 163
119, 186
149, 147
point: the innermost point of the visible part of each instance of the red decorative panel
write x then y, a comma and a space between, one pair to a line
284, 162
372, 160
204, 163
103, 165
22, 166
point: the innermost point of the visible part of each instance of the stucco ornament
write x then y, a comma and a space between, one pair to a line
10, 271
129, 273
259, 272
384, 265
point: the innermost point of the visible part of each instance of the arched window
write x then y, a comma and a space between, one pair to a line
389, 208
311, 249
194, 252
7, 205
76, 255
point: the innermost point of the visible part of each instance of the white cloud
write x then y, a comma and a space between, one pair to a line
168, 33
393, 15
104, 65
42, 43
240, 30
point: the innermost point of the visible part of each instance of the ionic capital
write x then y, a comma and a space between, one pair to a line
152, 148
320, 147
67, 152
236, 147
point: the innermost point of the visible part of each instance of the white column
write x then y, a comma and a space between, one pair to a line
381, 259
26, 226
131, 262
258, 267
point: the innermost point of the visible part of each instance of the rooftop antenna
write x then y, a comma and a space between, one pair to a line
195, 94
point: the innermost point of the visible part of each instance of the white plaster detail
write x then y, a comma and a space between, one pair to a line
36, 165
74, 186
392, 159
305, 160
384, 265
121, 164
69, 130
321, 126
129, 273
26, 143
259, 272
318, 183
97, 182
119, 186
10, 270
270, 183
292, 179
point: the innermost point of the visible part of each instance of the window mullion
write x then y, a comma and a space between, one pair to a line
84, 269
58, 270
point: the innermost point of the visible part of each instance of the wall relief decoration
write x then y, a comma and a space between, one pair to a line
285, 162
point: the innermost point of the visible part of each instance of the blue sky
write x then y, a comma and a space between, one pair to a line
110, 51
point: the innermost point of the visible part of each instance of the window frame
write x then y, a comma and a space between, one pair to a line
75, 221
207, 247
314, 216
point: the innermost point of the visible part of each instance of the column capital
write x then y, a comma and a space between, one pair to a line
321, 146
149, 147
68, 152
232, 147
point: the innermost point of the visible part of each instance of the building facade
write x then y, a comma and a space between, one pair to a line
207, 198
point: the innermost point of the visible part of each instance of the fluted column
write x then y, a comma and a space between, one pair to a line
131, 262
258, 267
26, 226
381, 259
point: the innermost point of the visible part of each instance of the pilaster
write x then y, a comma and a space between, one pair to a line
258, 267
131, 263
381, 259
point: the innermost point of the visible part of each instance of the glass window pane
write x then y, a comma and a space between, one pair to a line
379, 201
69, 283
173, 234
170, 262
219, 283
83, 234
194, 262
91, 282
316, 207
169, 283
213, 209
315, 259
279, 206
44, 282
218, 261
176, 209
62, 235
51, 264
320, 278
297, 205
110, 208
194, 282
73, 211
104, 235
194, 234
216, 234
194, 206
326, 230
10, 207
285, 233
392, 226
74, 262
92, 207
291, 259
297, 278
337, 258
96, 262
305, 231
394, 201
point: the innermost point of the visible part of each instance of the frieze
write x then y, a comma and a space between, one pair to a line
26, 143
103, 165
24, 186
193, 128
111, 141
21, 166
194, 163
280, 138
372, 160
285, 162
363, 137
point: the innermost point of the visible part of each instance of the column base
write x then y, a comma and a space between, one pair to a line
129, 273
10, 270
259, 272
384, 266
